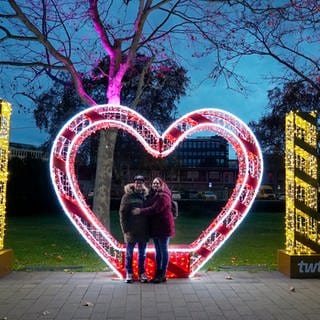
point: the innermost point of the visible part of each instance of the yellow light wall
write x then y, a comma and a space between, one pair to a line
302, 217
5, 113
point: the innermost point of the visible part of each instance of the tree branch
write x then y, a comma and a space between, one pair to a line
139, 90
9, 35
57, 55
31, 64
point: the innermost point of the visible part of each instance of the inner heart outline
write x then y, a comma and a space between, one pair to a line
185, 260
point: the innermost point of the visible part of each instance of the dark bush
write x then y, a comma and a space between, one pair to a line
29, 188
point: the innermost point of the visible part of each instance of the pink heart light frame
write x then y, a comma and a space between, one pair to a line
185, 259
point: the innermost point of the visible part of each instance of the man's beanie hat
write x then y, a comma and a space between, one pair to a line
139, 178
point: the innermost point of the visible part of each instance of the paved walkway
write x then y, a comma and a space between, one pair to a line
98, 296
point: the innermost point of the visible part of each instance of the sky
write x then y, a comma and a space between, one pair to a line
201, 94
246, 107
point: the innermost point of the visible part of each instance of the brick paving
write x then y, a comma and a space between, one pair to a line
211, 295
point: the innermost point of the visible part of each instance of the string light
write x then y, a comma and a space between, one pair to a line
185, 260
302, 220
5, 113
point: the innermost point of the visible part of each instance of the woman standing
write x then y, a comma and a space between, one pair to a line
161, 224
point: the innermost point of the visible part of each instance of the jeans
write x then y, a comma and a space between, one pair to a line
162, 253
141, 256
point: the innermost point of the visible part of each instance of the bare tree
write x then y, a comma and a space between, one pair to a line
270, 128
285, 31
42, 38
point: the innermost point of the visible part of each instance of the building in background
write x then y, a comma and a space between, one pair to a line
22, 151
198, 164
203, 152
201, 164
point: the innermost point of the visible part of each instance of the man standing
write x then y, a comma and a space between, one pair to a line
134, 227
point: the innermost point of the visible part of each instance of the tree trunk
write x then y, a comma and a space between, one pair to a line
103, 178
107, 141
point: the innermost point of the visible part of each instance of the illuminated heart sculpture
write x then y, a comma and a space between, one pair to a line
185, 259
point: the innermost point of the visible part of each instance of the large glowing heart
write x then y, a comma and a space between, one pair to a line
185, 259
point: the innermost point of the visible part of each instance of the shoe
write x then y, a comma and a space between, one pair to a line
159, 279
163, 276
160, 276
156, 280
143, 278
129, 278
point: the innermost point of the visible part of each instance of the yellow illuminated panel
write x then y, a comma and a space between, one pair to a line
301, 161
5, 112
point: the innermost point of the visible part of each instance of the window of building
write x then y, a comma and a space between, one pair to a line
214, 176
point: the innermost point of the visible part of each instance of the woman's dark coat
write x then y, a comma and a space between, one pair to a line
159, 212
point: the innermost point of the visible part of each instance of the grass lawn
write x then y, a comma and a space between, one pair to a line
51, 242
255, 243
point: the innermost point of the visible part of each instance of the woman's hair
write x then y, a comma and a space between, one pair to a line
159, 180
163, 185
